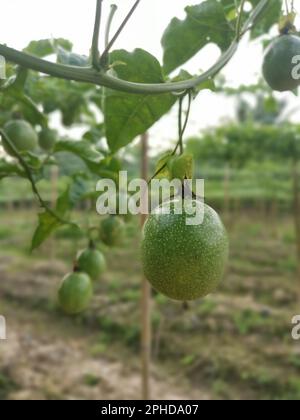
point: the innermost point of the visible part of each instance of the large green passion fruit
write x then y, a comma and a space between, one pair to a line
184, 262
278, 63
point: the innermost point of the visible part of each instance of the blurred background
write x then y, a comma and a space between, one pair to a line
235, 344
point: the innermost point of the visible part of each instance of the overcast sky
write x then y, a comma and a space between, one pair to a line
23, 21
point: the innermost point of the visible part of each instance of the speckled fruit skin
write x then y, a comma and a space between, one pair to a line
181, 261
75, 293
22, 135
47, 139
92, 262
112, 231
278, 66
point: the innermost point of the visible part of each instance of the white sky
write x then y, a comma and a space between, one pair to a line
23, 21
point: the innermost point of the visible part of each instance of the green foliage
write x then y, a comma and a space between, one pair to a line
127, 116
203, 24
48, 222
45, 47
9, 168
239, 144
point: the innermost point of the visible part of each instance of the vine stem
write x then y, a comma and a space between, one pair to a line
29, 175
90, 75
113, 9
181, 130
180, 142
287, 7
117, 34
182, 127
239, 20
95, 41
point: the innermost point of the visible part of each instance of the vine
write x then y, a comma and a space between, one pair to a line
101, 78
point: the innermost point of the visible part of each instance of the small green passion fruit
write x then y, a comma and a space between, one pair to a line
112, 231
47, 139
92, 262
22, 135
75, 293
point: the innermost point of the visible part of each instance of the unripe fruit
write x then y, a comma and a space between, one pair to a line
278, 65
112, 231
184, 262
47, 139
75, 293
22, 135
92, 262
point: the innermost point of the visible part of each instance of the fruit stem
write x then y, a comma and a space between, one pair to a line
182, 127
76, 268
92, 244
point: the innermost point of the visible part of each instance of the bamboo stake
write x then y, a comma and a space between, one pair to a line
146, 291
296, 191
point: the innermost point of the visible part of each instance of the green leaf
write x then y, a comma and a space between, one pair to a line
70, 58
127, 116
86, 151
78, 189
269, 18
162, 168
204, 23
45, 47
48, 223
9, 169
95, 134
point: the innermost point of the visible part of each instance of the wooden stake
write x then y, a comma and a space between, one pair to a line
296, 191
146, 290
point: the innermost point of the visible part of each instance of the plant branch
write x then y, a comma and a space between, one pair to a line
90, 75
113, 9
95, 41
117, 34
239, 19
29, 175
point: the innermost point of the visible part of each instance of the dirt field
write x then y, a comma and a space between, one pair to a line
235, 344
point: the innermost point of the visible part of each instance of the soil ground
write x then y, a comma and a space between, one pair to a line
235, 344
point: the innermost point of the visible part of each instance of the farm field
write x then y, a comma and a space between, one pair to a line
235, 344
